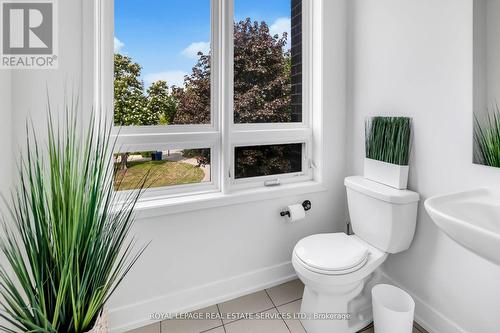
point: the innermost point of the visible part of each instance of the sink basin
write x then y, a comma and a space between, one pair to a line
471, 218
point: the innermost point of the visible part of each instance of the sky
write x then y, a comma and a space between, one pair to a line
164, 36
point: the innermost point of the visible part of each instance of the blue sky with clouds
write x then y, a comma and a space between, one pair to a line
164, 36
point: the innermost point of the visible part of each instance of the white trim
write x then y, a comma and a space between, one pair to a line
177, 190
105, 60
97, 45
221, 132
310, 44
215, 65
307, 51
167, 205
227, 56
256, 137
268, 126
144, 138
186, 140
136, 315
286, 178
425, 315
317, 89
277, 133
166, 129
215, 79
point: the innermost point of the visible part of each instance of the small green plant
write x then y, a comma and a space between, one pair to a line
387, 139
487, 139
66, 235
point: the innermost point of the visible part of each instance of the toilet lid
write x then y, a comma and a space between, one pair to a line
331, 252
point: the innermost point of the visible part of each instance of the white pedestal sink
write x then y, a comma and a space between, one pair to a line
471, 218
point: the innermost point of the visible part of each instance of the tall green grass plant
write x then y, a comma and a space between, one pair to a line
487, 139
66, 235
388, 139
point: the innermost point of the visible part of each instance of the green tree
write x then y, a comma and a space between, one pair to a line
262, 90
161, 103
194, 99
262, 75
129, 99
131, 106
202, 155
262, 80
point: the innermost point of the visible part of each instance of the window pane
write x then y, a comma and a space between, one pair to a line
268, 61
162, 62
162, 168
256, 161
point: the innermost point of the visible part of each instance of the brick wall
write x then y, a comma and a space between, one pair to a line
296, 49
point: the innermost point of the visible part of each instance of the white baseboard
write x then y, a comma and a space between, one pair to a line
137, 315
425, 315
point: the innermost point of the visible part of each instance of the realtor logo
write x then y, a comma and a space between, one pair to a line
28, 34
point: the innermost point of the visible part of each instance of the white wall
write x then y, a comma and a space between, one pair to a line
31, 87
23, 93
5, 130
414, 58
205, 256
5, 142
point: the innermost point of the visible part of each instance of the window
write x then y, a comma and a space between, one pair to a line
162, 168
258, 161
162, 63
212, 94
267, 63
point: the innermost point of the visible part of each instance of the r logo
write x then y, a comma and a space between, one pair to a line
28, 28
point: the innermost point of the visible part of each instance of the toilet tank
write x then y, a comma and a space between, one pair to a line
381, 215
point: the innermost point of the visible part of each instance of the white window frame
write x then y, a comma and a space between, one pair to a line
222, 135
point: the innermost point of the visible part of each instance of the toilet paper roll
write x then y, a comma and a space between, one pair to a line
297, 213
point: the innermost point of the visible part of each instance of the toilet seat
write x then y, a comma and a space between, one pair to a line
332, 254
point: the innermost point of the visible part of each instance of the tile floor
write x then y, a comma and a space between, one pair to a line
284, 298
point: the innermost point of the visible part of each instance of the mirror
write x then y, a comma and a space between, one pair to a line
487, 82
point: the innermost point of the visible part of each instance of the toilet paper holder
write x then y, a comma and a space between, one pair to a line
306, 204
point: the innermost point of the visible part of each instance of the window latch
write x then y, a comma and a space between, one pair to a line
311, 164
272, 182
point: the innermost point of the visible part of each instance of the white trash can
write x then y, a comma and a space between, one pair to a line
393, 309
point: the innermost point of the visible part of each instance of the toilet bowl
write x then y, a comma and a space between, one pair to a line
333, 282
338, 270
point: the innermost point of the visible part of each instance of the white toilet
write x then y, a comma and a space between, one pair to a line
338, 270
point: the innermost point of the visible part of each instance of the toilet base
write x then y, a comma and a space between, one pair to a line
353, 300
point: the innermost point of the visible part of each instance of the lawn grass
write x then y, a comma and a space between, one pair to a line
162, 173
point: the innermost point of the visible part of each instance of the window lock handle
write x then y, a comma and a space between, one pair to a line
272, 182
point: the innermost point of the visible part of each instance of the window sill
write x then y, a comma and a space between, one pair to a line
150, 208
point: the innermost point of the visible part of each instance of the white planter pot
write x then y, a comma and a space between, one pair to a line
387, 173
101, 325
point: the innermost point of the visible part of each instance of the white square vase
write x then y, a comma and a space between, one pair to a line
387, 173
